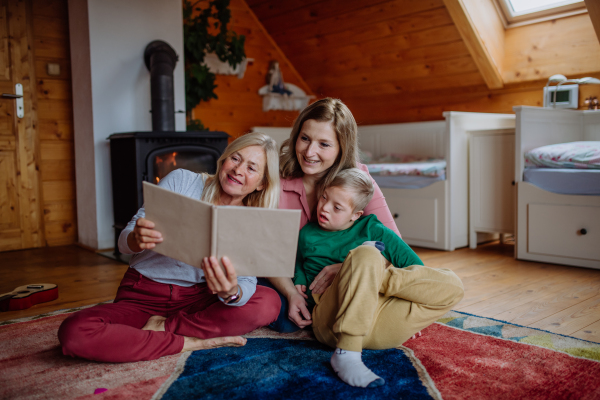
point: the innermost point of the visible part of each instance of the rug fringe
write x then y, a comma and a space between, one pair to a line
422, 372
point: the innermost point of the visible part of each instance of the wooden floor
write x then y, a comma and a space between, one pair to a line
555, 298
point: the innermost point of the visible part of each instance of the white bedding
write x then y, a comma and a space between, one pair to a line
432, 168
406, 181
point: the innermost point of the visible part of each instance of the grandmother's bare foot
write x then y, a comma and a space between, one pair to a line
192, 343
155, 323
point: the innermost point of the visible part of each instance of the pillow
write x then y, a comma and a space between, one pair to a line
574, 155
397, 158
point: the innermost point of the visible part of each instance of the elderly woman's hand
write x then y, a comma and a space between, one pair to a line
143, 236
223, 283
323, 280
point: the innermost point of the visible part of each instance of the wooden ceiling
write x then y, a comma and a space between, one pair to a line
356, 48
405, 60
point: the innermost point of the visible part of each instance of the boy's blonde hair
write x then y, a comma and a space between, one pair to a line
359, 183
268, 197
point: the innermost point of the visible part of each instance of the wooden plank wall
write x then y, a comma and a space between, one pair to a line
55, 116
239, 106
404, 60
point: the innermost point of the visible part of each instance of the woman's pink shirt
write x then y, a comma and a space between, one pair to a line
293, 197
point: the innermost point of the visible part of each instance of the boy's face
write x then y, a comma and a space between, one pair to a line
335, 211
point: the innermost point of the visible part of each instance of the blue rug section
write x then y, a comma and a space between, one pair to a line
494, 330
289, 369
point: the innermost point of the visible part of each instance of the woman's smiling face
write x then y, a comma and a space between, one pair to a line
317, 147
242, 173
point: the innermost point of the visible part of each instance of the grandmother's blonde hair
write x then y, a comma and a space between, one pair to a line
343, 123
268, 197
359, 183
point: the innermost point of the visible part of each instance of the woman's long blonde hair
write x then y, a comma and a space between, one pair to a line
344, 125
268, 197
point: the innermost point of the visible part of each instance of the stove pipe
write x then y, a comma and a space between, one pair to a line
160, 59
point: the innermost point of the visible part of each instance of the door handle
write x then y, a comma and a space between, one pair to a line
17, 96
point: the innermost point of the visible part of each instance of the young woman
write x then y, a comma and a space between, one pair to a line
164, 306
323, 141
351, 312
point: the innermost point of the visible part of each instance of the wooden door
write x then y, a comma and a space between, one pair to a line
21, 222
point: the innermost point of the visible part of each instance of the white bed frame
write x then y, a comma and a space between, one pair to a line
436, 216
548, 224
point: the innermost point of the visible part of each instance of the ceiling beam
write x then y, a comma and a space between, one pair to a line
593, 7
480, 50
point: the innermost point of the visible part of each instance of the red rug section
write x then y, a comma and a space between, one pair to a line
32, 366
464, 365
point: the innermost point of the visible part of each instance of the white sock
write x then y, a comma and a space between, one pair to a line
377, 244
350, 368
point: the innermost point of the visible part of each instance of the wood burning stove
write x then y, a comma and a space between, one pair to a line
149, 156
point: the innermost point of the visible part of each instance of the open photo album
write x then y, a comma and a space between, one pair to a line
258, 241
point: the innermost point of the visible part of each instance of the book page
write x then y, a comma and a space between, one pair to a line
184, 223
258, 241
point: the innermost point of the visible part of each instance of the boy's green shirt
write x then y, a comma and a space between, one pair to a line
318, 248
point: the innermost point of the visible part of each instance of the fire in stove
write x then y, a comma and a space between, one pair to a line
165, 164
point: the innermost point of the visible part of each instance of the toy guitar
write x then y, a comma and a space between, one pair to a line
26, 296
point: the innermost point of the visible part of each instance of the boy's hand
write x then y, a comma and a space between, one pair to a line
325, 278
297, 311
302, 290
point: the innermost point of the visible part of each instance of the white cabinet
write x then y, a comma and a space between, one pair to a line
558, 228
564, 230
420, 214
491, 185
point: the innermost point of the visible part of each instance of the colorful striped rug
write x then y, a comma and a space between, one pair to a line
462, 356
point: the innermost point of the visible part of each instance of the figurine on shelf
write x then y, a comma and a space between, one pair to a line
275, 80
592, 103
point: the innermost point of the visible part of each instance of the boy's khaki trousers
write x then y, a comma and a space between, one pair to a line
373, 305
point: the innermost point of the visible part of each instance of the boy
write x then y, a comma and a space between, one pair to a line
369, 304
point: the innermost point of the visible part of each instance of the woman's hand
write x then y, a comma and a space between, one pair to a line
223, 283
143, 236
302, 290
324, 279
297, 311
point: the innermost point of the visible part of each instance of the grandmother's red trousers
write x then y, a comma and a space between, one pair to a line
112, 332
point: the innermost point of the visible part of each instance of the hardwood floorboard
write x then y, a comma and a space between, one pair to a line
590, 332
551, 297
534, 291
83, 277
572, 319
530, 312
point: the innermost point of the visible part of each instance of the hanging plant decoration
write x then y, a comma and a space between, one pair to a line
203, 33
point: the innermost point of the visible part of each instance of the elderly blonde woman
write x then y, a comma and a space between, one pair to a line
164, 306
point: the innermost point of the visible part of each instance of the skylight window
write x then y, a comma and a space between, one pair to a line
529, 6
520, 12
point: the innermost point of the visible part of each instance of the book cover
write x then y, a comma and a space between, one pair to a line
258, 241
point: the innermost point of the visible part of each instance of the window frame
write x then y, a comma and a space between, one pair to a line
511, 19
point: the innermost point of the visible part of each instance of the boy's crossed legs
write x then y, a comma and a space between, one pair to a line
373, 305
